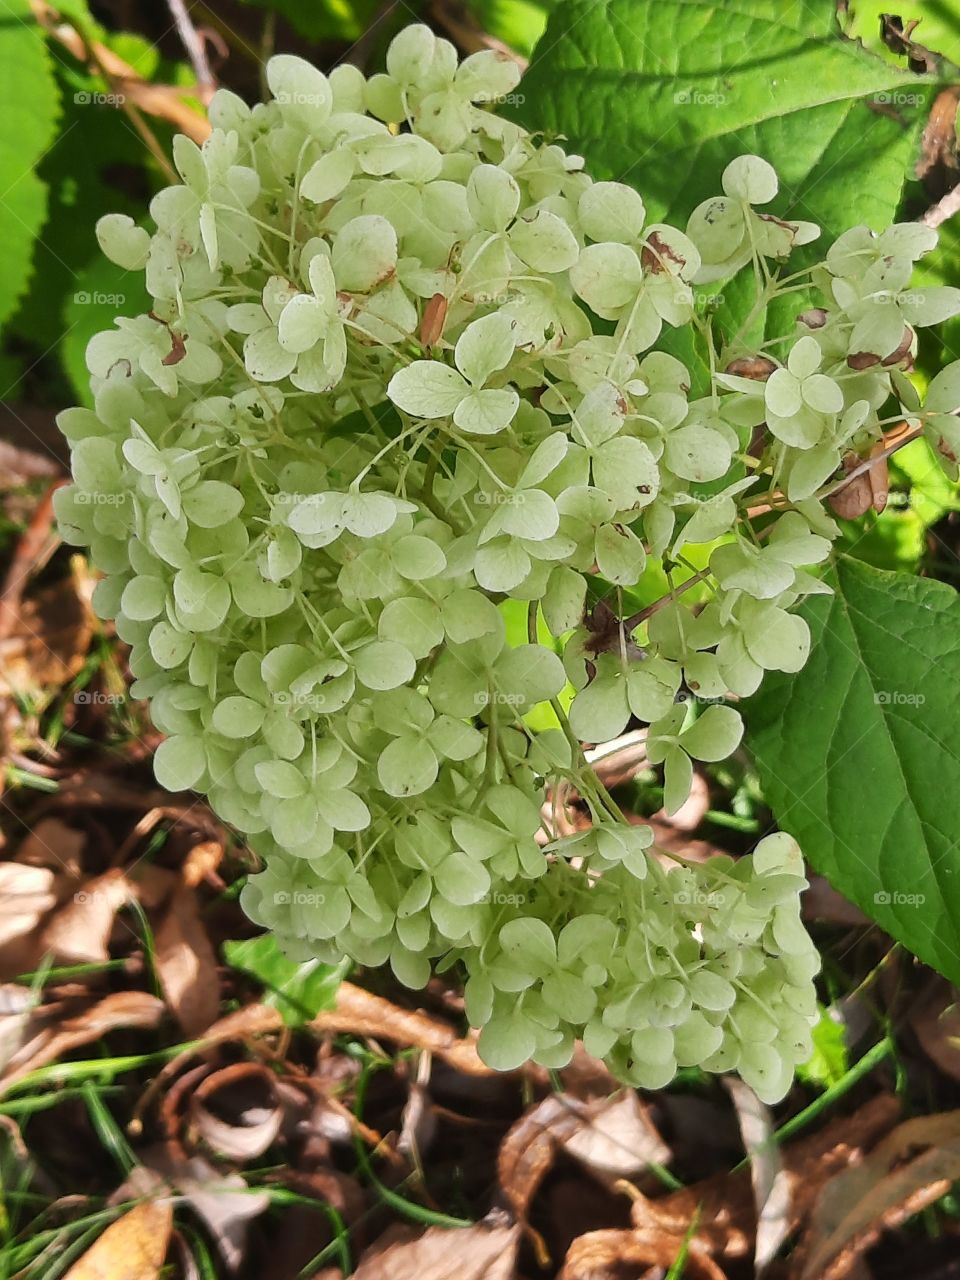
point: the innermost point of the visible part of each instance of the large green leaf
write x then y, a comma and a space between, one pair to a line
664, 95
859, 754
28, 109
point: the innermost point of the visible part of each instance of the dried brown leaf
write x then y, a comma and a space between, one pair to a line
604, 1255
132, 1248
164, 101
909, 1169
364, 1014
79, 931
186, 964
224, 1203
26, 895
51, 843
440, 1253
611, 1137
120, 1009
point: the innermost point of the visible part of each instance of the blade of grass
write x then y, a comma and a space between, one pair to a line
408, 1208
107, 1129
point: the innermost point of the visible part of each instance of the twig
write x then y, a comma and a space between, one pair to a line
945, 208
631, 623
460, 24
869, 463
132, 91
24, 560
196, 48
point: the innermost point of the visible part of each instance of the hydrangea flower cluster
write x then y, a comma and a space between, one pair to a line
400, 368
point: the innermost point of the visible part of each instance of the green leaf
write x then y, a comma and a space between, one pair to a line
518, 23
299, 991
665, 98
28, 106
859, 755
828, 1063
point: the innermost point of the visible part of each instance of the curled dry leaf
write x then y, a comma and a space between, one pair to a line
132, 1248
606, 1255
909, 1169
611, 1137
31, 552
364, 1014
121, 1009
440, 1253
186, 963
237, 1111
